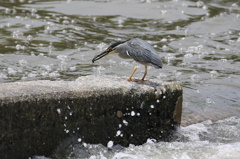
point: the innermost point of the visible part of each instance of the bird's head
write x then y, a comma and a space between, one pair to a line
110, 50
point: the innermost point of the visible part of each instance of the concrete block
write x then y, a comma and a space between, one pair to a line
35, 116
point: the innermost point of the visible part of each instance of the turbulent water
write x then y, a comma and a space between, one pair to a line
198, 41
207, 140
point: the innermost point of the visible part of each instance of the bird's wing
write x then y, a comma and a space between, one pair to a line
142, 52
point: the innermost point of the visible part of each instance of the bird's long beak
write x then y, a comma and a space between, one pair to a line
97, 57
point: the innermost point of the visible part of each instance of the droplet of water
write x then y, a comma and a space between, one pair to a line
132, 113
120, 125
125, 122
85, 144
67, 131
110, 144
118, 133
59, 111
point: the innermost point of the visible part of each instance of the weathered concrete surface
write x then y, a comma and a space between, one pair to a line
36, 116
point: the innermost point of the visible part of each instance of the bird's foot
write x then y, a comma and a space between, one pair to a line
136, 80
141, 80
129, 79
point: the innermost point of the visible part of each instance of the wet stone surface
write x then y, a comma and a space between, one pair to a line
39, 115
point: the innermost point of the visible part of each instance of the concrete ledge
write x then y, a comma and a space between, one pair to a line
36, 116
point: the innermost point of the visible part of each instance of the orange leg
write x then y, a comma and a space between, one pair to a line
134, 70
145, 73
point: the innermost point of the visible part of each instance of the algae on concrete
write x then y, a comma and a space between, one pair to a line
36, 116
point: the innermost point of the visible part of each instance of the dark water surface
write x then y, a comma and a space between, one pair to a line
198, 41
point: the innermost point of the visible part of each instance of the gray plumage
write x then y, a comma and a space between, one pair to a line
140, 51
137, 49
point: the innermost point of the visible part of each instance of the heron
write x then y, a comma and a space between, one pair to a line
136, 49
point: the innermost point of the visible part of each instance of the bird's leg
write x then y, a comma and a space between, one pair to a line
134, 70
145, 73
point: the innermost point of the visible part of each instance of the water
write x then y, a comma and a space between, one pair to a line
199, 42
206, 140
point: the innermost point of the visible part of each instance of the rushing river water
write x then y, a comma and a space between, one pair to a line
198, 41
